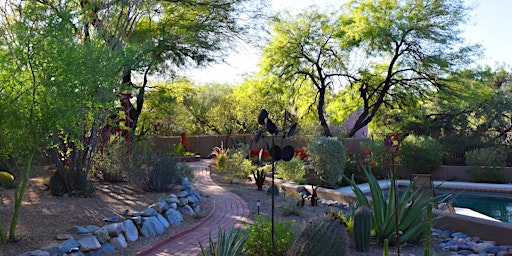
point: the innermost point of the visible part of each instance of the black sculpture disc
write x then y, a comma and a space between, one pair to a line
287, 153
262, 115
275, 152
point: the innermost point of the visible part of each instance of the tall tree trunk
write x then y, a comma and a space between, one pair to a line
321, 102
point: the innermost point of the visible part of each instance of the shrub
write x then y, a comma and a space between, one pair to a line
328, 157
259, 242
221, 156
156, 170
237, 166
420, 154
292, 170
486, 165
290, 206
374, 157
114, 162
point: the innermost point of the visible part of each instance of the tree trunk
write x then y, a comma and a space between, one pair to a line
320, 108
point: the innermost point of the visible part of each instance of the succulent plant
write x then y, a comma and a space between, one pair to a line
323, 235
362, 228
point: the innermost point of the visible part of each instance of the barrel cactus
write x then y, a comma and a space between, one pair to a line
323, 235
362, 228
57, 185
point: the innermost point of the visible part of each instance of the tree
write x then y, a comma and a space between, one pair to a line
304, 51
48, 90
413, 47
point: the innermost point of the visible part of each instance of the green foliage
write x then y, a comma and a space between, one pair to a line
486, 164
114, 162
428, 231
228, 244
290, 205
323, 235
420, 154
76, 182
292, 170
385, 252
259, 242
374, 158
6, 180
237, 166
328, 157
410, 212
155, 170
221, 156
362, 228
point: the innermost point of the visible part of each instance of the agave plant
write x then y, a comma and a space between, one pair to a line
228, 244
411, 213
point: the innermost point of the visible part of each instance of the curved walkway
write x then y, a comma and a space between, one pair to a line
229, 210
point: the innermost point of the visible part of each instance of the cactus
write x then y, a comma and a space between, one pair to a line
323, 235
362, 228
386, 248
57, 185
259, 177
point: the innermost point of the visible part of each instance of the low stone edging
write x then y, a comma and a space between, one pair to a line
93, 240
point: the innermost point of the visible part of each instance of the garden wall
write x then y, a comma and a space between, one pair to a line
450, 173
203, 145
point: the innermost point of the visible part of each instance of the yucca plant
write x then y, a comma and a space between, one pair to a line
228, 244
411, 213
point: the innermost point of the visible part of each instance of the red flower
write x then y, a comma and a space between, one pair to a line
362, 163
366, 152
358, 169
373, 165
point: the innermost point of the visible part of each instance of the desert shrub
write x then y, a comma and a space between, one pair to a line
327, 156
75, 182
221, 156
486, 165
374, 157
420, 154
290, 206
237, 166
113, 163
259, 242
155, 170
292, 170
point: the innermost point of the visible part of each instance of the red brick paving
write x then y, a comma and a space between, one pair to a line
229, 210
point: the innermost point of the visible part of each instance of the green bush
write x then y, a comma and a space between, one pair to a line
292, 170
155, 170
486, 165
374, 157
420, 154
114, 162
327, 156
237, 166
259, 242
290, 206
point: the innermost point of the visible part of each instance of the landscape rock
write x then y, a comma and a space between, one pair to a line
114, 229
186, 209
162, 221
102, 235
119, 242
149, 212
151, 227
78, 230
108, 248
174, 217
130, 230
89, 243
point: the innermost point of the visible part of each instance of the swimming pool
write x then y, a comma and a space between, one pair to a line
492, 204
496, 205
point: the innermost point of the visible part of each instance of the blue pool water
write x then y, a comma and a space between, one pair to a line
496, 205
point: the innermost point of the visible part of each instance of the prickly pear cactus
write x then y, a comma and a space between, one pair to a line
321, 236
57, 185
362, 228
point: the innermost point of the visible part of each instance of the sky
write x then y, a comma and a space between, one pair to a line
490, 26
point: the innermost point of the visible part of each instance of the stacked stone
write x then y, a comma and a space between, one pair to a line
462, 244
94, 240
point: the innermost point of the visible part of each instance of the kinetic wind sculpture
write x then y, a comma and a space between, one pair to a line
276, 152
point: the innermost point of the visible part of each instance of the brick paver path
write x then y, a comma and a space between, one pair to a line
230, 210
